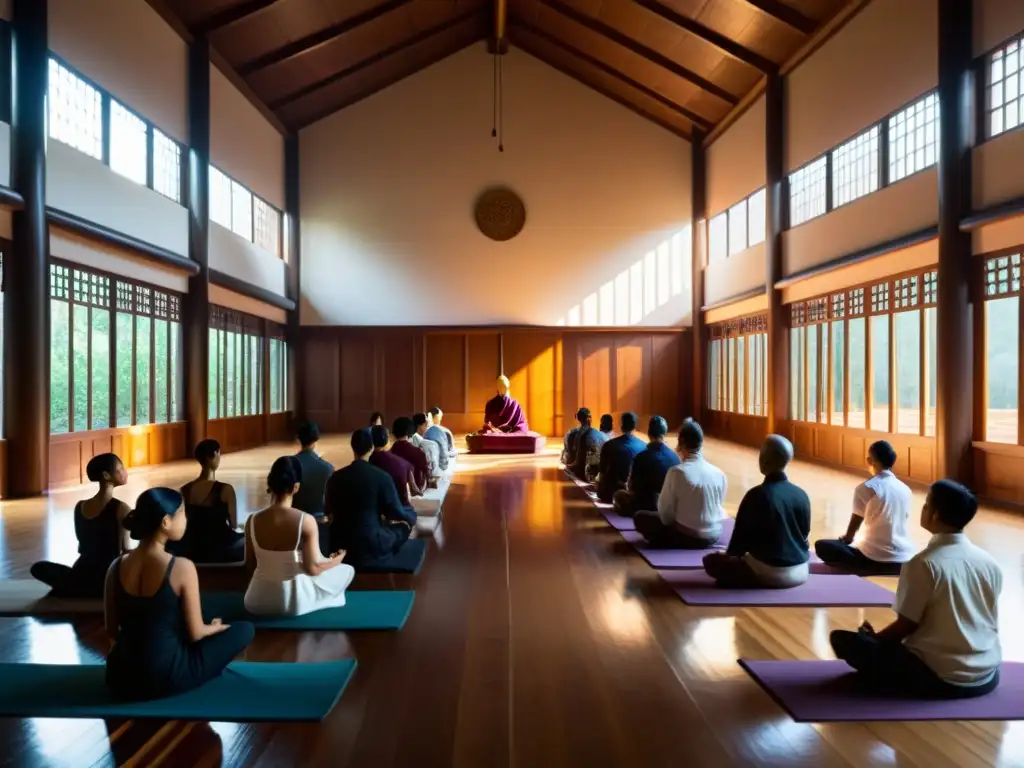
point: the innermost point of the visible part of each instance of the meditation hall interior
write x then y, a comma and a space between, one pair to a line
512, 383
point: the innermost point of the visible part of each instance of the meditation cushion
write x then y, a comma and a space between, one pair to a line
500, 442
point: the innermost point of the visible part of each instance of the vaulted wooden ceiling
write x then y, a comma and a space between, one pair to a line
680, 63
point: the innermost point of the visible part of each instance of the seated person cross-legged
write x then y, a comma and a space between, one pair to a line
436, 435
367, 519
768, 547
569, 441
882, 504
153, 613
288, 576
315, 474
502, 413
587, 439
690, 511
436, 415
100, 533
945, 640
647, 475
593, 465
429, 447
212, 535
398, 469
617, 458
401, 432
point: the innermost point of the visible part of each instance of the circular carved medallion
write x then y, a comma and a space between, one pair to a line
500, 214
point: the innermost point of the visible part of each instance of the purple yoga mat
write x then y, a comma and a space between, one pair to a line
677, 558
618, 522
827, 691
697, 588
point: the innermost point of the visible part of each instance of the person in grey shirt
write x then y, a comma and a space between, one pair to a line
315, 474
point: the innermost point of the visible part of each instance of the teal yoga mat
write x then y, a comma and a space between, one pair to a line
246, 692
373, 609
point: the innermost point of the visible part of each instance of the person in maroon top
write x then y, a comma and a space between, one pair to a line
400, 470
401, 430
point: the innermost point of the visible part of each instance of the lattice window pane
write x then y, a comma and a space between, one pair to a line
1002, 275
798, 314
160, 302
931, 287
143, 300
857, 302
839, 305
807, 193
127, 143
124, 297
241, 211
60, 277
220, 198
167, 166
907, 292
817, 310
855, 167
99, 291
738, 228
880, 298
1005, 92
267, 229
75, 111
80, 286
914, 138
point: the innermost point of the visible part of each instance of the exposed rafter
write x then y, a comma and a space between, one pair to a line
231, 15
721, 42
317, 39
606, 93
629, 43
498, 41
786, 14
369, 61
534, 31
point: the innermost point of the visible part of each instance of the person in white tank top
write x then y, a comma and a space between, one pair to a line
288, 575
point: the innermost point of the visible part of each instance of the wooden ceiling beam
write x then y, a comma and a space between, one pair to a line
231, 15
369, 61
600, 28
788, 15
583, 56
498, 42
725, 44
607, 94
319, 38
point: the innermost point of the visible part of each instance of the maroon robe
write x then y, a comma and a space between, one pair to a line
505, 415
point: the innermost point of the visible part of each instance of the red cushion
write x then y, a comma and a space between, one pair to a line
497, 442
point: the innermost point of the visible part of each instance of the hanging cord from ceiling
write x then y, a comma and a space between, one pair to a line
494, 98
501, 106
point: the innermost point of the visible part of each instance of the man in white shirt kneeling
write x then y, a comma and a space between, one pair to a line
945, 640
877, 541
690, 511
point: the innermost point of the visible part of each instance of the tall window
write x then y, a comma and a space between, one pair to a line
127, 143
75, 112
1004, 99
855, 167
914, 138
278, 370
1002, 349
864, 357
236, 364
115, 352
807, 191
737, 364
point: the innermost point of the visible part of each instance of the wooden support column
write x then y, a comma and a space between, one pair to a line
26, 298
197, 300
778, 347
954, 361
293, 287
698, 227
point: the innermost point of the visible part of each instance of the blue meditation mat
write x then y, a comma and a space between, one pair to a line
245, 692
374, 609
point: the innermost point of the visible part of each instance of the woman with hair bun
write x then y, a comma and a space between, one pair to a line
98, 528
153, 614
289, 576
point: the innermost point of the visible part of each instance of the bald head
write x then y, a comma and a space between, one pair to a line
503, 385
776, 453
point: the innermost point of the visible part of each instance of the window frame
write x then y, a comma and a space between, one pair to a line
727, 213
253, 199
731, 394
981, 316
982, 84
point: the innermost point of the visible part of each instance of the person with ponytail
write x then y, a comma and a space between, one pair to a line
100, 533
289, 576
153, 614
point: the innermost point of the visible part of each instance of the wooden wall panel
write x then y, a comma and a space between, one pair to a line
401, 369
136, 446
529, 360
668, 395
319, 378
738, 427
445, 371
358, 376
632, 374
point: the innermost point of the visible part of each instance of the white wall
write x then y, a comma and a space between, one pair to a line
388, 187
736, 275
239, 258
996, 21
736, 160
124, 46
92, 253
242, 143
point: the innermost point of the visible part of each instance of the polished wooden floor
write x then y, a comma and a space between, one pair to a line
536, 641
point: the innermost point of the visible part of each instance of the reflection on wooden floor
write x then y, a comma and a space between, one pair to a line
535, 642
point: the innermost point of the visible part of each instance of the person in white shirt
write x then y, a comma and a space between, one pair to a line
429, 447
945, 640
877, 541
690, 510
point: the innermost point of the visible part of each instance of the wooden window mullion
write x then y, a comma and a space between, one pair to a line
894, 390
112, 356
846, 367
135, 352
152, 362
805, 364
71, 350
1020, 360
869, 368
922, 396
830, 373
88, 368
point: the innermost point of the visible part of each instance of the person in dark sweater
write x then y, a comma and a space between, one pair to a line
594, 454
399, 470
315, 474
569, 443
769, 546
589, 440
401, 431
648, 472
617, 458
366, 516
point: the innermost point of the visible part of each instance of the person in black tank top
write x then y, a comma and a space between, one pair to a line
212, 535
153, 612
100, 535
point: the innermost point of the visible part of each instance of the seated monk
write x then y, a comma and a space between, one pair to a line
768, 547
503, 414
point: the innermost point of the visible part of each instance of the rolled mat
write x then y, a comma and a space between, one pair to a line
245, 692
828, 691
697, 588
